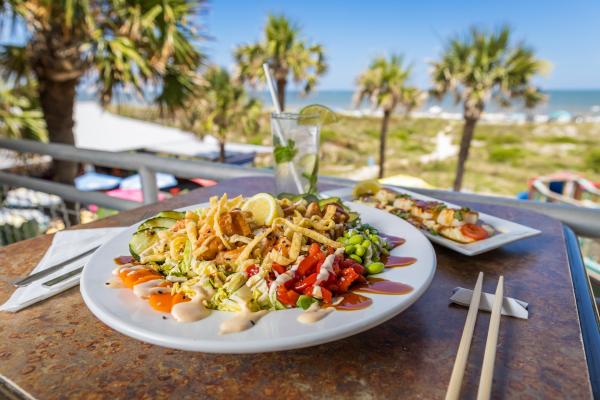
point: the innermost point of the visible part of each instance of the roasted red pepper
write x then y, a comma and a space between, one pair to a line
306, 282
280, 269
287, 297
326, 294
307, 265
349, 275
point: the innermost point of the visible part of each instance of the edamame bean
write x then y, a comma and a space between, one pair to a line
366, 243
375, 268
347, 234
356, 239
356, 258
359, 250
304, 301
374, 238
350, 249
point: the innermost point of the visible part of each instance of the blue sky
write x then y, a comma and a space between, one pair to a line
567, 33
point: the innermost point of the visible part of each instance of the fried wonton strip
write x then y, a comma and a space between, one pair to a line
321, 224
222, 203
191, 215
280, 259
295, 248
316, 236
235, 202
192, 231
175, 247
203, 248
239, 238
248, 250
330, 212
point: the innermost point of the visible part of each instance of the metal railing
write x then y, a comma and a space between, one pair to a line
584, 221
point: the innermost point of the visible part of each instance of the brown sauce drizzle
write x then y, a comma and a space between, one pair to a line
395, 261
353, 301
383, 286
394, 241
122, 260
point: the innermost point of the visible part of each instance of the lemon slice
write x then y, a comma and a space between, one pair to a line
316, 114
264, 208
366, 187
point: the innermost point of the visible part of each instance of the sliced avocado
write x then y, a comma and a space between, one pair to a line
157, 222
143, 239
176, 215
329, 200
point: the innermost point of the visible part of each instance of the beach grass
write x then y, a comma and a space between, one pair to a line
502, 159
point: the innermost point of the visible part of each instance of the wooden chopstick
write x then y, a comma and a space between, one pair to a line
462, 355
487, 370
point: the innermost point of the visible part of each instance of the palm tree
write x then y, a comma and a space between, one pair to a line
383, 83
224, 105
287, 55
412, 98
478, 68
116, 43
20, 118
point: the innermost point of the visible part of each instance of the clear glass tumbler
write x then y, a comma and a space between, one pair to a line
295, 153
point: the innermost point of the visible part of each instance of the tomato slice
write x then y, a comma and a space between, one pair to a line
474, 231
252, 270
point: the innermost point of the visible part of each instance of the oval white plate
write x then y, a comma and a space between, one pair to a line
278, 330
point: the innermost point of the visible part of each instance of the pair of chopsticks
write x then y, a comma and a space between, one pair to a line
487, 370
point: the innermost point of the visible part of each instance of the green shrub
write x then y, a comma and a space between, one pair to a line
501, 154
327, 135
592, 160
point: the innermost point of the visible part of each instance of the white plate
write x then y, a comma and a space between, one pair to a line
507, 231
278, 330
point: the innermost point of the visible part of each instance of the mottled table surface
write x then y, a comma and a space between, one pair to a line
58, 349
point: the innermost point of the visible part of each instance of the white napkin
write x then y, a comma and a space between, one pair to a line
65, 245
510, 307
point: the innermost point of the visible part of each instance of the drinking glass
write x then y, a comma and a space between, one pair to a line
295, 152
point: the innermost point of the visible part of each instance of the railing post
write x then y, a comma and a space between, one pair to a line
149, 188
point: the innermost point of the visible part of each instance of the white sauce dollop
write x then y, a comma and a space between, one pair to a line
313, 314
193, 310
245, 319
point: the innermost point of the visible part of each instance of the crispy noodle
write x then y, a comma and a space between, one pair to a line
316, 236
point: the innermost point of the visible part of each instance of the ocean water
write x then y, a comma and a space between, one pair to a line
575, 102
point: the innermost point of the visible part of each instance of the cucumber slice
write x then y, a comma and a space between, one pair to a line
176, 215
141, 240
157, 222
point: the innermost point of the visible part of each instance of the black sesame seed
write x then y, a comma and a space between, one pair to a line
164, 317
252, 322
106, 283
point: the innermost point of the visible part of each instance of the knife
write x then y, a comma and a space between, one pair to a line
34, 277
63, 277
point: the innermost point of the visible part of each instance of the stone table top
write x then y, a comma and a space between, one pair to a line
58, 349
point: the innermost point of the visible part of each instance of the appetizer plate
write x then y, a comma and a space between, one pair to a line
508, 231
277, 330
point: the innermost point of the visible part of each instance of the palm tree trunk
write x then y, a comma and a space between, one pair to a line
222, 150
382, 137
281, 84
463, 154
57, 100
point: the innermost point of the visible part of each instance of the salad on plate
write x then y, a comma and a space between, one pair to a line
253, 255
